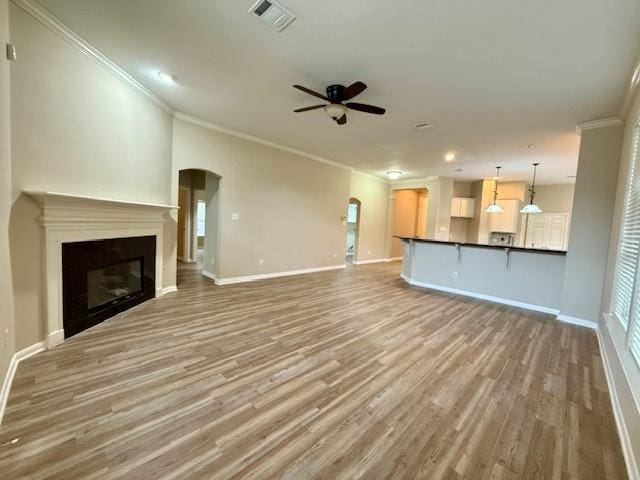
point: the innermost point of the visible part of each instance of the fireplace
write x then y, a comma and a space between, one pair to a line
101, 278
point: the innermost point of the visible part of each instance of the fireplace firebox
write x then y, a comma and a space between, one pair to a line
104, 277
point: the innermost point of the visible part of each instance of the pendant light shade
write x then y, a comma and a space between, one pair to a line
494, 207
532, 208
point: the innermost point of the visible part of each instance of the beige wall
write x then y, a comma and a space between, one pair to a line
290, 207
440, 191
555, 198
510, 190
482, 191
462, 189
374, 197
7, 326
76, 129
593, 207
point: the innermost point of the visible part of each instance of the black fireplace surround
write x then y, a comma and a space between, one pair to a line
104, 277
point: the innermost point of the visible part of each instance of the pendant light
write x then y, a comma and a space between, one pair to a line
532, 207
494, 207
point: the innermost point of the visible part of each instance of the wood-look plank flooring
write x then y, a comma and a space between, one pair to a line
337, 375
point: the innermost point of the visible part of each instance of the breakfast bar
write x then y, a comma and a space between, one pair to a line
523, 277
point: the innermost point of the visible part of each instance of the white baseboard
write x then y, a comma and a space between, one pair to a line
577, 321
11, 371
481, 296
633, 469
54, 338
366, 262
210, 275
169, 289
376, 260
264, 276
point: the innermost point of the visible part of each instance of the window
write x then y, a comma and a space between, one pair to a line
352, 213
200, 218
626, 298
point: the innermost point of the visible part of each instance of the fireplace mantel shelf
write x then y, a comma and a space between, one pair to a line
45, 197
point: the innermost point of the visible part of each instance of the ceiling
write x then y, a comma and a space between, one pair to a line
492, 76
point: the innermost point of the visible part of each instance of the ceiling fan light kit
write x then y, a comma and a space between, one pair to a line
336, 95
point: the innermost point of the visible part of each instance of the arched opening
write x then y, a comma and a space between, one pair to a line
353, 229
197, 225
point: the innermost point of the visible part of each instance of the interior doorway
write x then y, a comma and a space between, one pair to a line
410, 211
198, 232
353, 229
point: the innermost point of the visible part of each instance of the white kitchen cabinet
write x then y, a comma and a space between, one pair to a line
462, 207
507, 221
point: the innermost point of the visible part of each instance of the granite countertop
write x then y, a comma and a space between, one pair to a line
478, 245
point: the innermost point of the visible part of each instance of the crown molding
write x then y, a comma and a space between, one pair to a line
60, 29
600, 123
372, 177
245, 136
633, 87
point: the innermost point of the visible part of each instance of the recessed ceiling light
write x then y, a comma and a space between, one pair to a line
394, 174
423, 126
167, 77
450, 157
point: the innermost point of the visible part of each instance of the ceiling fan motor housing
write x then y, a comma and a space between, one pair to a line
334, 93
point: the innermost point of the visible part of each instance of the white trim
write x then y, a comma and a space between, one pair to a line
264, 276
169, 289
210, 275
631, 91
251, 138
481, 296
11, 371
599, 123
55, 337
393, 259
42, 195
73, 218
633, 470
366, 262
57, 27
373, 177
577, 321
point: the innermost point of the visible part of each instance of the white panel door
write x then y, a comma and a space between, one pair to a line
555, 232
547, 231
536, 234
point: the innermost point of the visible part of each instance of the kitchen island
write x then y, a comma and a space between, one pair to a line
523, 277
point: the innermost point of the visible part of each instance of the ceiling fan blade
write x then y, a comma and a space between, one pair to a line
310, 92
342, 120
363, 107
306, 109
353, 90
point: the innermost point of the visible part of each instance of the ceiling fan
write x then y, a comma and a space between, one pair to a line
336, 94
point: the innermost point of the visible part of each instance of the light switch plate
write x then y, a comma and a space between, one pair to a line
235, 216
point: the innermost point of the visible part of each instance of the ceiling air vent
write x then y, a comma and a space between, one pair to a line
272, 14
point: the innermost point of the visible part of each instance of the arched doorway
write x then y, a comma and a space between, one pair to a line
198, 232
353, 229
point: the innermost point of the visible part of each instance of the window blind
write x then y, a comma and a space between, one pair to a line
629, 247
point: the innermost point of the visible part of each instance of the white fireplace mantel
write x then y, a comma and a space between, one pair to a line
74, 218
